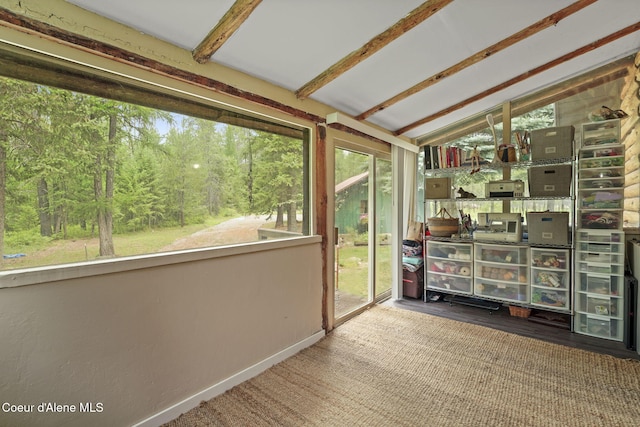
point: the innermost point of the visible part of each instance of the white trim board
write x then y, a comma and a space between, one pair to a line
371, 131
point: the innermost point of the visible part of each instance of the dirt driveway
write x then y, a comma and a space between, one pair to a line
237, 230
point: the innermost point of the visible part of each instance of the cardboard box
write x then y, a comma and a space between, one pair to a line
552, 143
548, 228
550, 181
437, 188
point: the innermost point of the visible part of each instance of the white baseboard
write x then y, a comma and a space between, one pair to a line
189, 403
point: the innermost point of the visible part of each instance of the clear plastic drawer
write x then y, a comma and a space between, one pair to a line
550, 298
600, 305
599, 327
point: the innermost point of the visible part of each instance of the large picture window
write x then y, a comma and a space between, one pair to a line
86, 177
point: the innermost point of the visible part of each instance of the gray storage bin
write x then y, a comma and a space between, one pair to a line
552, 143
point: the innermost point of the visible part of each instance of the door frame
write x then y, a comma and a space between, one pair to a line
374, 151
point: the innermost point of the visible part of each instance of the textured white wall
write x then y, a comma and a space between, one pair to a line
139, 341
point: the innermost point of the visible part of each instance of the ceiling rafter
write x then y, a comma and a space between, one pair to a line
517, 79
228, 24
542, 24
607, 73
46, 31
413, 18
41, 29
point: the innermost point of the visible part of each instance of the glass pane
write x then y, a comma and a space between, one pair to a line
463, 181
383, 227
90, 178
573, 110
352, 222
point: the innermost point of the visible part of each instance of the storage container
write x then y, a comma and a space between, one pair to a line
550, 181
501, 272
601, 219
599, 134
601, 327
549, 228
519, 311
552, 143
558, 299
437, 188
550, 278
600, 283
443, 224
450, 267
413, 283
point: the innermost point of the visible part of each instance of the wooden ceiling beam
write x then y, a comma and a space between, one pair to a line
414, 18
46, 31
576, 85
542, 24
564, 58
230, 22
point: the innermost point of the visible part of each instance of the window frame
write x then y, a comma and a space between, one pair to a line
125, 83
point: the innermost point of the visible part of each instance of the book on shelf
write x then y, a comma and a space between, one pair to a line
427, 158
441, 157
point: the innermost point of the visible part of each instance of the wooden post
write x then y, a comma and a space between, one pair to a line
321, 214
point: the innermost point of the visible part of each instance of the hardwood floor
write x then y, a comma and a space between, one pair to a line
502, 320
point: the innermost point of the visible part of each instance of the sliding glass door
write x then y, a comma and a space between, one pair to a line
363, 225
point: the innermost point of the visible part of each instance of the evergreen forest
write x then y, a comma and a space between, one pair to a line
75, 166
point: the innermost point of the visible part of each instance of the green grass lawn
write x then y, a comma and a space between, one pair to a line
353, 274
352, 277
87, 249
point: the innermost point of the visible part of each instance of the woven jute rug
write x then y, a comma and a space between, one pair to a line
394, 367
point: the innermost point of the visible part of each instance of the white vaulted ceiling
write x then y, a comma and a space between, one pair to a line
290, 42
